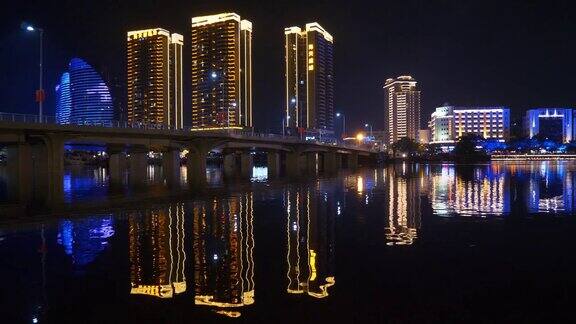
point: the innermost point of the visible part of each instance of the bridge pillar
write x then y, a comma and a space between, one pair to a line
48, 163
19, 167
293, 163
171, 166
116, 166
229, 164
330, 162
196, 167
138, 167
311, 162
352, 159
273, 159
246, 164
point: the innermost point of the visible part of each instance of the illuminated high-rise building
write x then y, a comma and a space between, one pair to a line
402, 102
309, 76
553, 123
221, 72
154, 73
82, 96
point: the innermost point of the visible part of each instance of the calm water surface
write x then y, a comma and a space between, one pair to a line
408, 242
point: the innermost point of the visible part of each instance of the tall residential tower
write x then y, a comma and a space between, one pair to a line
402, 104
309, 79
221, 72
155, 77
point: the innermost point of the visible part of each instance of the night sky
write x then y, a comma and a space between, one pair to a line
515, 53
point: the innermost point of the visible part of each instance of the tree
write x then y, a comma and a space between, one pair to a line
405, 145
466, 145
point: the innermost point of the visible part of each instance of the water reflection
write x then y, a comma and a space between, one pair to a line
86, 238
224, 253
403, 206
310, 236
157, 254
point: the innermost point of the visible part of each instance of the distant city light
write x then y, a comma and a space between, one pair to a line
29, 28
338, 114
213, 75
360, 137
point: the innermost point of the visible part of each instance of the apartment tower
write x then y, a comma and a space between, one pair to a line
154, 73
309, 76
402, 104
221, 72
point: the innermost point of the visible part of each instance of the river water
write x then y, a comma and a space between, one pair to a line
405, 242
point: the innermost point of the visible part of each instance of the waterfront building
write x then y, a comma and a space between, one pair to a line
449, 123
309, 75
402, 108
424, 136
154, 78
221, 72
553, 123
82, 96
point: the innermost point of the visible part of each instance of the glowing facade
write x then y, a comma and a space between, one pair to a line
157, 254
553, 123
154, 76
223, 245
448, 123
221, 72
402, 102
82, 96
309, 74
403, 202
63, 100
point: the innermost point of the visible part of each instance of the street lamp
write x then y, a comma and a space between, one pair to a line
338, 115
369, 125
40, 93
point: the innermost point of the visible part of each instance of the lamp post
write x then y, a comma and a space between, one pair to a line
370, 127
40, 92
338, 115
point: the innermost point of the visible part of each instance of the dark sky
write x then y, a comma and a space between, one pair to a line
516, 53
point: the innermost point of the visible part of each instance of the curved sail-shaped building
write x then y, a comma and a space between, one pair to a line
63, 99
85, 98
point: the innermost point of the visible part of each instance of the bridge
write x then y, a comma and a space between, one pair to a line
35, 150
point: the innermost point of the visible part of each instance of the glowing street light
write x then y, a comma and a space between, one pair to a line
40, 93
360, 137
338, 115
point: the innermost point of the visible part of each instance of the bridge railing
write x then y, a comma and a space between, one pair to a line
237, 133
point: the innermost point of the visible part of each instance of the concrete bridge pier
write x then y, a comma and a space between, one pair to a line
246, 164
171, 166
273, 164
138, 167
293, 164
230, 164
48, 164
19, 165
116, 165
352, 161
311, 164
330, 162
196, 167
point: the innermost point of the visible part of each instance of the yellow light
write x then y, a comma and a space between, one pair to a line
360, 137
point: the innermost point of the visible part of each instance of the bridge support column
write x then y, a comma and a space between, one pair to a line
196, 168
138, 167
116, 166
171, 166
273, 159
353, 161
19, 171
48, 159
330, 162
311, 162
293, 164
229, 164
246, 164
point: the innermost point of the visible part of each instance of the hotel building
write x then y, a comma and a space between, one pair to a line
553, 123
221, 72
402, 108
448, 123
154, 73
82, 97
309, 72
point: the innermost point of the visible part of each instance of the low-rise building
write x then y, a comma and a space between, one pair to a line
449, 123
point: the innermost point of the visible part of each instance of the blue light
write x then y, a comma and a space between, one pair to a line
214, 75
